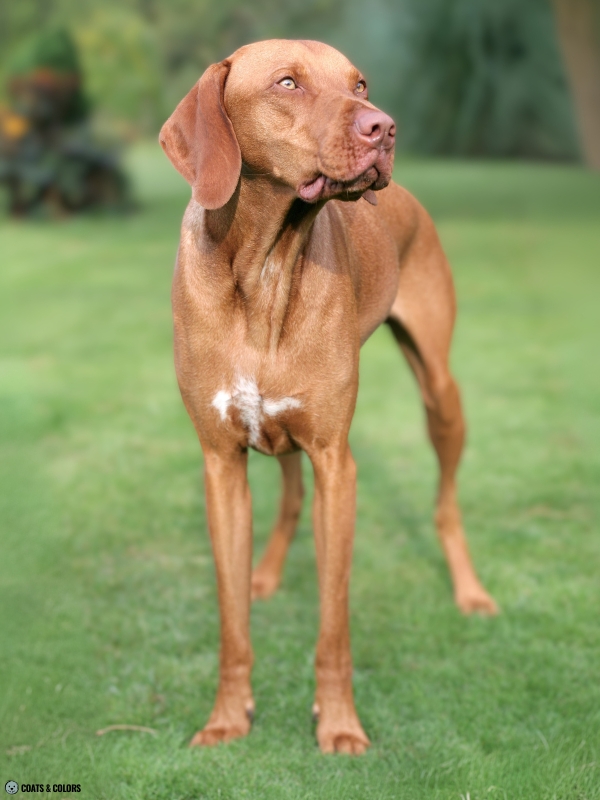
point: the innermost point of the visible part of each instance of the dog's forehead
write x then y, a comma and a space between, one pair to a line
315, 59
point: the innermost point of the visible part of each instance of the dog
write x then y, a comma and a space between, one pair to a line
295, 247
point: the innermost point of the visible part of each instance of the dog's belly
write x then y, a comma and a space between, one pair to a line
261, 420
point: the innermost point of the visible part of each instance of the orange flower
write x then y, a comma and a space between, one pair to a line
13, 125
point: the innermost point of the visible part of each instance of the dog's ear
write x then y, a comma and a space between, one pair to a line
200, 141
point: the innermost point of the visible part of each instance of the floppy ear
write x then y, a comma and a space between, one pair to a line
199, 140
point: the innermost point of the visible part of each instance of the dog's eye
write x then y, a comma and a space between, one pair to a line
361, 86
288, 83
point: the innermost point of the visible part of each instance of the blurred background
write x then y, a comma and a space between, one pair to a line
474, 78
107, 594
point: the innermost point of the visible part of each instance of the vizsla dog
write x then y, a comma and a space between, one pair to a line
282, 274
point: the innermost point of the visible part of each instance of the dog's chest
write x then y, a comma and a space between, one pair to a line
264, 419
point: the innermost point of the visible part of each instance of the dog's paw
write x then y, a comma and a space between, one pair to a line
224, 727
344, 735
264, 584
476, 600
353, 741
215, 734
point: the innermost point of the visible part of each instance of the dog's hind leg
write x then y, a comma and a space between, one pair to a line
421, 320
267, 575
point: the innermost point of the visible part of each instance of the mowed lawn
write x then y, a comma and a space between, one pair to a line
108, 611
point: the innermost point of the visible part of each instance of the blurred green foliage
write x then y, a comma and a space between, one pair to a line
52, 50
471, 77
50, 161
485, 78
122, 58
56, 52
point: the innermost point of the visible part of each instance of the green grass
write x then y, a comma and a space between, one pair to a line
108, 608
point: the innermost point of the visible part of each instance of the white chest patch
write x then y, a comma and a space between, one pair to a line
252, 407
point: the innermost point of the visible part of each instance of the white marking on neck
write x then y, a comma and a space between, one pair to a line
252, 407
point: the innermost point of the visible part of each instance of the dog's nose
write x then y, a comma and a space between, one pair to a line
375, 128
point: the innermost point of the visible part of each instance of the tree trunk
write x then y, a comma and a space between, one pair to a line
578, 26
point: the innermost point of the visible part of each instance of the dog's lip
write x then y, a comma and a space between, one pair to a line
314, 189
311, 190
370, 171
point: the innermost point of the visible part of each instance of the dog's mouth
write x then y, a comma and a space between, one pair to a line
323, 187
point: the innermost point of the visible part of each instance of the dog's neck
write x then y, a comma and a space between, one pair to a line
263, 231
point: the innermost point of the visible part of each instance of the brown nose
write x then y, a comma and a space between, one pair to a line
375, 128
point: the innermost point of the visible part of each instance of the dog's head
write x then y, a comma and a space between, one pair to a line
297, 111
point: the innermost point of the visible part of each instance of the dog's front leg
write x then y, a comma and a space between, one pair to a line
229, 509
339, 729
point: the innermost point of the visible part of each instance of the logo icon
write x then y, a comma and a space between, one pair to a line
12, 787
